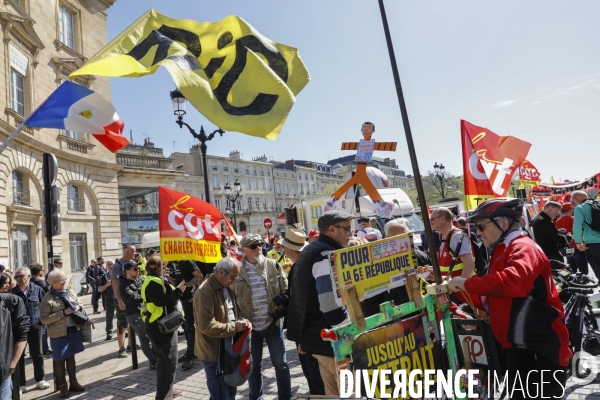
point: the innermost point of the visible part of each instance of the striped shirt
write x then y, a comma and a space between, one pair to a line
260, 303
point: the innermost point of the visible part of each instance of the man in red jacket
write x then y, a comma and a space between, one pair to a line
518, 294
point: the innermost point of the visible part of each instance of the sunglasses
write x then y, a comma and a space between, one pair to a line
20, 276
346, 228
254, 246
481, 227
135, 269
60, 262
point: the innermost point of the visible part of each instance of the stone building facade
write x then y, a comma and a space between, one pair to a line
143, 169
257, 199
43, 42
322, 176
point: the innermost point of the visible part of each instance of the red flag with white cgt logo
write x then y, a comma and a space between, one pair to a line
489, 162
190, 228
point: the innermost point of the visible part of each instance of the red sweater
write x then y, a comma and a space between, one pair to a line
565, 222
520, 297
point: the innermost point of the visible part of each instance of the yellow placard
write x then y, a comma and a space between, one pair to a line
373, 267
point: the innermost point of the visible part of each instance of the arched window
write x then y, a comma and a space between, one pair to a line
74, 198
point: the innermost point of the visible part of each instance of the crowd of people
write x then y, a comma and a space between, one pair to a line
284, 290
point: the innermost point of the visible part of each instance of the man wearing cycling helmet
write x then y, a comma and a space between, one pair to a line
519, 296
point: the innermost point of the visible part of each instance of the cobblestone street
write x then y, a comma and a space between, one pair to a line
108, 377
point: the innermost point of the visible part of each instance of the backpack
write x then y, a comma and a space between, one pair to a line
479, 249
595, 206
235, 358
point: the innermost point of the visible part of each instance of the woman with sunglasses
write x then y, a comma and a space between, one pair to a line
130, 286
55, 310
518, 295
160, 299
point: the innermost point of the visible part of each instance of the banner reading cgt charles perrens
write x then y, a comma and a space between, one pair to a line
190, 228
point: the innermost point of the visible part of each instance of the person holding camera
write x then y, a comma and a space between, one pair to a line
293, 244
261, 280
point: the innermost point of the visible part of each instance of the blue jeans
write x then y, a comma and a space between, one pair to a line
276, 343
593, 257
6, 389
188, 326
579, 262
45, 346
95, 295
217, 387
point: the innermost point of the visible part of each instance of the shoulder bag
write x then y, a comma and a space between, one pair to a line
170, 322
86, 331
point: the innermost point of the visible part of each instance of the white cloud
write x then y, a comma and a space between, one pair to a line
504, 103
575, 85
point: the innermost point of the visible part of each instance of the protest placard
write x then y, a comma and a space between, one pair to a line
373, 267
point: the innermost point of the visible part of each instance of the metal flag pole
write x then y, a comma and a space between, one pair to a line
12, 137
411, 149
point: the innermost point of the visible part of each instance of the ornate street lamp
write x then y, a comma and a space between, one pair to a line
439, 173
231, 200
179, 105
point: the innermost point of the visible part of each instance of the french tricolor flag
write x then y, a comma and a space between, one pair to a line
76, 108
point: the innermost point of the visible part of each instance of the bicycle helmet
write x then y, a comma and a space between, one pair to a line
498, 207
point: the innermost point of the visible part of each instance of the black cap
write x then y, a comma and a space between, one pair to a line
130, 264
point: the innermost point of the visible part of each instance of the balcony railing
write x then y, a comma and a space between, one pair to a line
76, 205
143, 161
145, 149
21, 197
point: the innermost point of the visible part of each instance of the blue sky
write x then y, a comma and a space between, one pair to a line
528, 69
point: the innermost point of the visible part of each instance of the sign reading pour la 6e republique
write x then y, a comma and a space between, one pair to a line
373, 267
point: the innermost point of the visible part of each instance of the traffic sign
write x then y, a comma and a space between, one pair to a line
267, 223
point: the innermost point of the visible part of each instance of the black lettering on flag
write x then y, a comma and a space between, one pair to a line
164, 38
263, 103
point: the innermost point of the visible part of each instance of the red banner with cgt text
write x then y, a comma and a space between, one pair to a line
190, 228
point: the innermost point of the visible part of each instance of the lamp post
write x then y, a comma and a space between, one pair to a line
439, 173
231, 200
179, 106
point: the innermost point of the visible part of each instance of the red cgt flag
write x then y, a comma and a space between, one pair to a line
527, 172
190, 228
489, 162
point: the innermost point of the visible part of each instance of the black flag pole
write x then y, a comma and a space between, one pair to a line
411, 149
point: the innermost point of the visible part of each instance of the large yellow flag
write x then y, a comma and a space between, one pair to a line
240, 80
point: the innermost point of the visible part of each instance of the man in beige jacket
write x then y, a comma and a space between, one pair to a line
262, 280
215, 313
